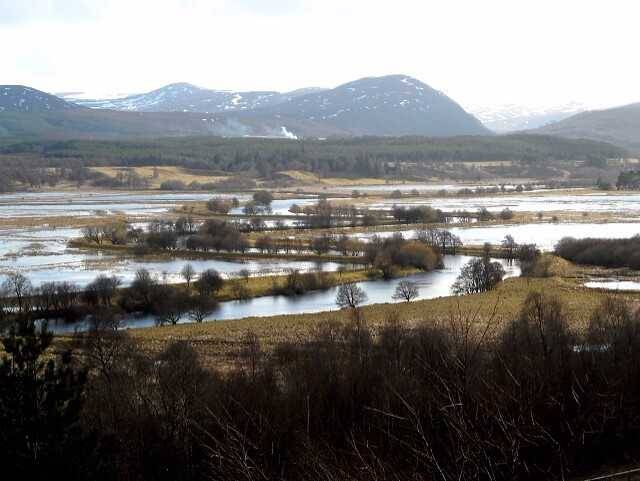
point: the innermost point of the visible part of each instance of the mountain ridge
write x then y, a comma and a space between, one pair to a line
391, 105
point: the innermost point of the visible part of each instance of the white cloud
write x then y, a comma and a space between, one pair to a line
489, 52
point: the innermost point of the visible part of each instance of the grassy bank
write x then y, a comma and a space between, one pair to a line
219, 342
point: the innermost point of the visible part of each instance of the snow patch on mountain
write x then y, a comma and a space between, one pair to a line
515, 117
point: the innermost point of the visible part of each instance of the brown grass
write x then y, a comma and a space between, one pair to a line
218, 342
164, 173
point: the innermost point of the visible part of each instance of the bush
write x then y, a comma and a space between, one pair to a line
478, 275
210, 282
485, 215
601, 252
506, 214
418, 255
173, 185
263, 197
219, 206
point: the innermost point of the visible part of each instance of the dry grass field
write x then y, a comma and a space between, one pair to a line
158, 175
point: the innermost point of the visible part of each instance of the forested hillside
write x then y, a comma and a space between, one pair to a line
367, 156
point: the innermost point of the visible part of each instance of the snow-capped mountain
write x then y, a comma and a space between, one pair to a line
185, 97
512, 117
389, 105
18, 98
384, 106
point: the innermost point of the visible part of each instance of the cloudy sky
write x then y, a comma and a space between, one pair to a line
480, 52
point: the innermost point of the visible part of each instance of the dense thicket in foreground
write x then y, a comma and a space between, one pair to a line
601, 252
449, 401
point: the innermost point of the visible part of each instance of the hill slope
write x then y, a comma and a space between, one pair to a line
102, 124
19, 98
391, 105
619, 126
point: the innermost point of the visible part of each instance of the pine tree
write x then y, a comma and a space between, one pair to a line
40, 396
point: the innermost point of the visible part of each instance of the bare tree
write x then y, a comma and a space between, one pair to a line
102, 290
406, 290
201, 307
18, 287
245, 274
510, 246
188, 273
251, 352
5, 306
93, 234
170, 306
350, 295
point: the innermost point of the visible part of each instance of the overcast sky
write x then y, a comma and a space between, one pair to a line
479, 52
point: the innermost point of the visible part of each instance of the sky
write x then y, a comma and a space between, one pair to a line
479, 52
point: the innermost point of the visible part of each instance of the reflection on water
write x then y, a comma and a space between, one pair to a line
431, 284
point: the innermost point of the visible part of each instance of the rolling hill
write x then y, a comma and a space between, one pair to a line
619, 126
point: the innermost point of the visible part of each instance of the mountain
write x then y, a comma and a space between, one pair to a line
376, 106
513, 117
390, 105
18, 98
619, 126
184, 97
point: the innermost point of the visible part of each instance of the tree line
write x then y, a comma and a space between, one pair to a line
361, 157
601, 252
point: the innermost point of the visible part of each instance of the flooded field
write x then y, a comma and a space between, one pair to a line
420, 187
43, 255
282, 206
53, 261
613, 285
85, 204
431, 285
544, 235
628, 204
